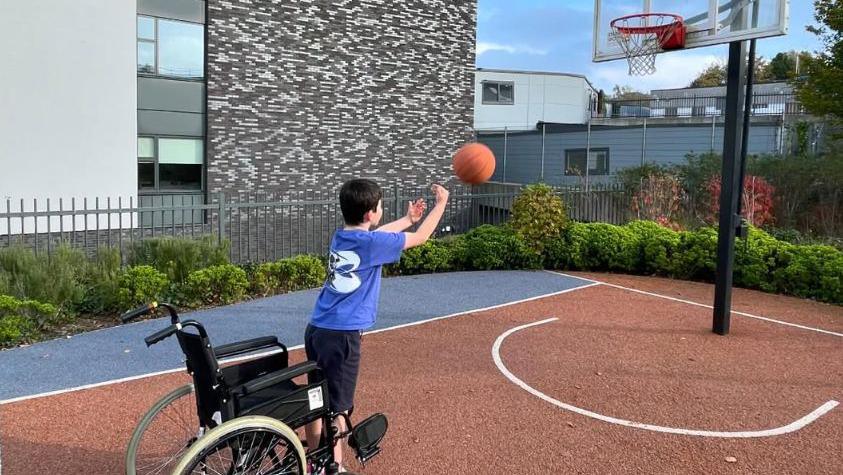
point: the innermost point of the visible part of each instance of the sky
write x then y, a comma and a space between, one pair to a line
548, 35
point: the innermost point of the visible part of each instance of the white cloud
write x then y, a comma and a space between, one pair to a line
673, 70
485, 47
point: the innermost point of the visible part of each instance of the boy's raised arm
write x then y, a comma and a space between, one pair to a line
429, 224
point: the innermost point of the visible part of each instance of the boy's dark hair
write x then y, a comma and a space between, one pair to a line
357, 197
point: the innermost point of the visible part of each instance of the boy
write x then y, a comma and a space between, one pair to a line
348, 302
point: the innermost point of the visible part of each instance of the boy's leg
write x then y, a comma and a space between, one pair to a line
312, 430
348, 385
338, 354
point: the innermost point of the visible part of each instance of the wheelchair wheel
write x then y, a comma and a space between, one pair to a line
246, 445
164, 434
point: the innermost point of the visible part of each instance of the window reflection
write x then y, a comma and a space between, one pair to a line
170, 48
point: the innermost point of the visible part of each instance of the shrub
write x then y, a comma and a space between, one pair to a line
658, 198
56, 280
432, 256
557, 252
38, 313
303, 272
14, 329
656, 247
812, 272
21, 318
756, 257
102, 282
632, 177
756, 200
696, 254
178, 257
488, 247
222, 284
140, 285
286, 275
600, 246
538, 216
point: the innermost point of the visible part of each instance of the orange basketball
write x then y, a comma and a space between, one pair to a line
474, 163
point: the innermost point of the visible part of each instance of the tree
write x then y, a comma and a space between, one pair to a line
783, 66
819, 88
786, 66
627, 93
715, 74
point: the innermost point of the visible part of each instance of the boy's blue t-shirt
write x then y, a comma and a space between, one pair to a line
349, 299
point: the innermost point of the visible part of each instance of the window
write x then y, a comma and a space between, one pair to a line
170, 164
146, 163
498, 92
146, 45
170, 48
598, 162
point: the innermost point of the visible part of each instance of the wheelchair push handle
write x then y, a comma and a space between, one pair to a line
149, 308
172, 329
138, 312
161, 334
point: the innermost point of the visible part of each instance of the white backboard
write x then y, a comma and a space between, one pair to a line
708, 22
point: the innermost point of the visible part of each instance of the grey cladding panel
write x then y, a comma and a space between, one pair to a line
186, 10
665, 145
170, 95
170, 123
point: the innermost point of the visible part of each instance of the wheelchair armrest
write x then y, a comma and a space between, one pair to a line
276, 377
247, 346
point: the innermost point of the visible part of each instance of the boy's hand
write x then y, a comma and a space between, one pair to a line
440, 193
416, 209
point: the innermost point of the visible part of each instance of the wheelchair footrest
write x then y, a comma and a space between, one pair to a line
366, 436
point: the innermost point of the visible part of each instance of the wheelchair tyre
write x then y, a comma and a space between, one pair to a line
164, 433
246, 445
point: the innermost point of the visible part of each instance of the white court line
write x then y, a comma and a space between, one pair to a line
697, 304
792, 427
298, 347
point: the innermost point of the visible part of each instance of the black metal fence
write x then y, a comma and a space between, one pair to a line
766, 104
261, 228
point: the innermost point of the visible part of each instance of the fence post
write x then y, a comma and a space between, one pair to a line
221, 217
644, 143
587, 152
544, 126
713, 131
505, 138
397, 198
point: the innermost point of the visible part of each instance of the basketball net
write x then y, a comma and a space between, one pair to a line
643, 36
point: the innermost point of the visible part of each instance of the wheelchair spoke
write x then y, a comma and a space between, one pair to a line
250, 453
168, 434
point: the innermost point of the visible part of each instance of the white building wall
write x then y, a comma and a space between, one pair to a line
68, 93
538, 97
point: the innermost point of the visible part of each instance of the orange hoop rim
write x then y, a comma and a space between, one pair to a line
677, 22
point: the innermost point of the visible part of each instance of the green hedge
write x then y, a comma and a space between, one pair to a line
222, 284
494, 248
21, 318
178, 257
140, 285
58, 280
36, 292
641, 247
286, 275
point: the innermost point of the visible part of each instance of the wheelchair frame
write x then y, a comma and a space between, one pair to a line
255, 394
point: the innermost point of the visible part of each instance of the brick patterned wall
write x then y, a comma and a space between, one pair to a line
303, 95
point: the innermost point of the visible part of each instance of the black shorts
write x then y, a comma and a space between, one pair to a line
338, 354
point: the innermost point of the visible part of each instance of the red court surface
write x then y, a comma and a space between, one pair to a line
643, 385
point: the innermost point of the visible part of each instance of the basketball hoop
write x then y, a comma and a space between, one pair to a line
643, 35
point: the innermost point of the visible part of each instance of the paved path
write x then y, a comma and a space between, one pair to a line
119, 352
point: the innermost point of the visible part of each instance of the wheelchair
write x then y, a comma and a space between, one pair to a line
240, 418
